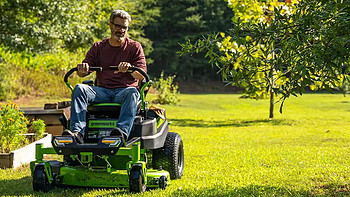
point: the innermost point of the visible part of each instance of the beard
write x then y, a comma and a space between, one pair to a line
120, 36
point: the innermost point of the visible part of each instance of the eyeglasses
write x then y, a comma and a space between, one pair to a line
117, 26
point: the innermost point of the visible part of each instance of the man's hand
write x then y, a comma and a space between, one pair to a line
123, 67
83, 69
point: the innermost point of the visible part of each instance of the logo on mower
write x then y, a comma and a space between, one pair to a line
102, 124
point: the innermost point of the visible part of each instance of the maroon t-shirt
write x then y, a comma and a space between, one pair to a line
104, 55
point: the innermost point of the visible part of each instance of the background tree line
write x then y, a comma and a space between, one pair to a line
41, 39
179, 21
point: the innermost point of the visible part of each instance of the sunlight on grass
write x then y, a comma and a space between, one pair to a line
233, 149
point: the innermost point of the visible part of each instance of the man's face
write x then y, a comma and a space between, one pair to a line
119, 28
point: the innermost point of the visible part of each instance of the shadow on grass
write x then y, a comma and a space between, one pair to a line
16, 187
258, 190
23, 187
227, 123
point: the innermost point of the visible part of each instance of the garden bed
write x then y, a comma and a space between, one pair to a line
23, 155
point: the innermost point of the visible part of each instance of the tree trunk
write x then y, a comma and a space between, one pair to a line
272, 100
272, 85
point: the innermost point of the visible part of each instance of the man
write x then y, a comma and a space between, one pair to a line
112, 86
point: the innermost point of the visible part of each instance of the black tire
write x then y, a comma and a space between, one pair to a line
171, 156
40, 180
163, 182
136, 182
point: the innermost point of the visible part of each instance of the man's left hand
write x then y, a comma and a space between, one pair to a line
123, 67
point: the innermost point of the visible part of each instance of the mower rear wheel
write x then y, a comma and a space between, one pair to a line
171, 156
40, 180
136, 182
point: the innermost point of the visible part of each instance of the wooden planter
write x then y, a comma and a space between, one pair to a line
23, 155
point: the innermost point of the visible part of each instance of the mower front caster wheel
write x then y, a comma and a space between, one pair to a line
40, 180
163, 182
136, 182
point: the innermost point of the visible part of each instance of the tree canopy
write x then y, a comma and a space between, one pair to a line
290, 47
181, 20
42, 25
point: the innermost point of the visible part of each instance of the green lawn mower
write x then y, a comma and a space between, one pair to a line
150, 158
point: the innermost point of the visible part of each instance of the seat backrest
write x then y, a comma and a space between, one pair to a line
102, 118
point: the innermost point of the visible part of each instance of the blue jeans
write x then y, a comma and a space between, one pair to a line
85, 94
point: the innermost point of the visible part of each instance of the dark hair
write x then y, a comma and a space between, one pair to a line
121, 14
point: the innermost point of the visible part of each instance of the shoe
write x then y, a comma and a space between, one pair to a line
77, 135
119, 133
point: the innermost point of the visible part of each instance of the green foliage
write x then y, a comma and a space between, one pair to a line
39, 128
7, 85
54, 63
41, 25
285, 52
26, 74
12, 124
344, 86
167, 92
181, 20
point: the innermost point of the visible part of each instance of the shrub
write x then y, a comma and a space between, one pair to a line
12, 125
26, 74
167, 92
6, 85
39, 127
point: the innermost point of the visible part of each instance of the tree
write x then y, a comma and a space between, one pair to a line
181, 20
47, 26
284, 53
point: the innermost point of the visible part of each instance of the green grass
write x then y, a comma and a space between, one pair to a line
233, 149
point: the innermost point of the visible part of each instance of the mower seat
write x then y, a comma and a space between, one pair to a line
101, 119
101, 107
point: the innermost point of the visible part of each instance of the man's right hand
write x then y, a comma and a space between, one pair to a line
83, 69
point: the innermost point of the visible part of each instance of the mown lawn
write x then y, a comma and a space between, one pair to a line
233, 149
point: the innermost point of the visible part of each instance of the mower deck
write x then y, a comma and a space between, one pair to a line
107, 173
80, 176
